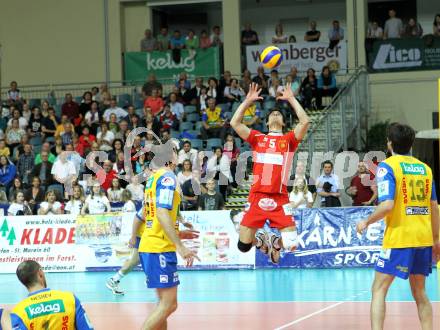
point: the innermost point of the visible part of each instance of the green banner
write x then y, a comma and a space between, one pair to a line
202, 62
405, 54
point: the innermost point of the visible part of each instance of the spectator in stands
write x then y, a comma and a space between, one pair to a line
22, 122
64, 171
14, 95
43, 169
191, 41
96, 202
213, 124
211, 200
152, 123
16, 186
262, 80
67, 135
113, 124
84, 107
45, 108
119, 112
114, 193
213, 90
117, 148
413, 29
25, 164
163, 40
362, 189
50, 205
58, 148
106, 175
176, 107
148, 43
177, 41
19, 150
34, 195
165, 135
225, 80
205, 40
151, 83
95, 93
294, 80
19, 205
436, 26
169, 119
75, 158
251, 117
49, 123
231, 151
155, 102
70, 108
274, 75
123, 130
77, 147
216, 37
312, 34
76, 202
300, 173
375, 31
233, 93
393, 26
129, 205
183, 76
92, 117
35, 120
194, 93
45, 147
4, 150
219, 168
105, 138
187, 153
119, 163
86, 139
279, 37
26, 111
326, 85
300, 197
328, 185
60, 126
276, 89
249, 36
14, 135
335, 34
136, 189
203, 99
246, 80
186, 175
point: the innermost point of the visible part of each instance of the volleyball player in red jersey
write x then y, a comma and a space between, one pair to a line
272, 156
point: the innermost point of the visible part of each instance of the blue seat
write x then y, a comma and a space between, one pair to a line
124, 100
78, 99
35, 141
198, 125
212, 143
269, 104
175, 134
57, 108
193, 117
193, 133
246, 147
197, 144
190, 109
58, 188
34, 103
237, 142
227, 115
140, 112
235, 106
138, 104
186, 126
50, 139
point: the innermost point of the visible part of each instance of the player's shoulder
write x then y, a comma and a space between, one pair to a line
167, 179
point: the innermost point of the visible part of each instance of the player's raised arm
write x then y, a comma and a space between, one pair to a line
304, 120
236, 122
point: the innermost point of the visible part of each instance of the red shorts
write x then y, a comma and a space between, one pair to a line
262, 207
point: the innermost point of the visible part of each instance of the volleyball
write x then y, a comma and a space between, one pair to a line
271, 57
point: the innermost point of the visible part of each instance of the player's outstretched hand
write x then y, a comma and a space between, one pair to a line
287, 93
189, 234
254, 93
436, 251
187, 255
361, 226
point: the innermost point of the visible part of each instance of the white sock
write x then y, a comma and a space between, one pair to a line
118, 276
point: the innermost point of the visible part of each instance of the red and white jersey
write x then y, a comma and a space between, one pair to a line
272, 155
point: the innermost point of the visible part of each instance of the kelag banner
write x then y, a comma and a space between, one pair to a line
328, 239
202, 62
303, 55
405, 54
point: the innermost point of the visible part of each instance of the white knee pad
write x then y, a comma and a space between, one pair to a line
290, 240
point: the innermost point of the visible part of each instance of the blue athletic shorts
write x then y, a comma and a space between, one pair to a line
160, 269
403, 262
138, 241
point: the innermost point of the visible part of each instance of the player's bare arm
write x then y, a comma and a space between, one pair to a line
134, 230
379, 213
168, 228
304, 120
435, 224
236, 122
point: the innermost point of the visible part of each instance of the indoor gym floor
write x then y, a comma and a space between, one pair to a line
242, 299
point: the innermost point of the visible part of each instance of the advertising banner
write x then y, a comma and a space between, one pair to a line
328, 239
303, 55
198, 63
405, 54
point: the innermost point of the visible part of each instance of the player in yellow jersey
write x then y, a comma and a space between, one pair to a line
45, 308
409, 204
160, 239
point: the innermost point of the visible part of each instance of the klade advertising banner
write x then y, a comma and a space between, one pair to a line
303, 55
198, 63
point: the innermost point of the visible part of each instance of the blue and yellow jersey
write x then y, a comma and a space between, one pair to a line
140, 216
408, 182
50, 309
250, 113
161, 192
213, 117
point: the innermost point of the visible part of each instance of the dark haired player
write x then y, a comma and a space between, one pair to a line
272, 157
408, 201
